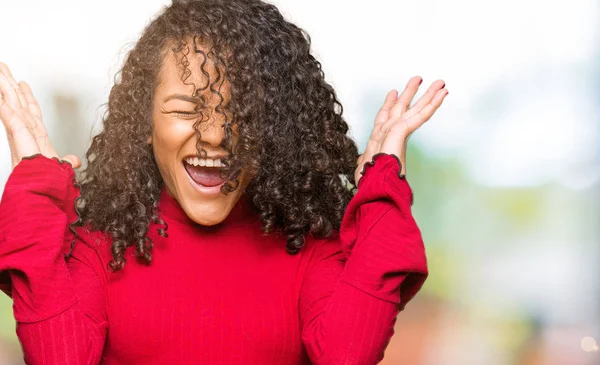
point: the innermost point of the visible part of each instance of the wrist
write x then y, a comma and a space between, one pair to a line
399, 151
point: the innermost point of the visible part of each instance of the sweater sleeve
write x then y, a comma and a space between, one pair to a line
59, 303
358, 281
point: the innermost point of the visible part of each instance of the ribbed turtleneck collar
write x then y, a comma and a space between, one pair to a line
241, 214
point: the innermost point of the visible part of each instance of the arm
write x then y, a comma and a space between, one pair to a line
348, 311
59, 305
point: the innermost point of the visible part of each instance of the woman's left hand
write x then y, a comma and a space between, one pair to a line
397, 120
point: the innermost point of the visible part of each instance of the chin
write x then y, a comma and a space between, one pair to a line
207, 214
207, 221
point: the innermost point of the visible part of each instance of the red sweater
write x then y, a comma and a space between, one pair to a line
225, 294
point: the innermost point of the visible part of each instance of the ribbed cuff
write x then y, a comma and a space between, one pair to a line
391, 167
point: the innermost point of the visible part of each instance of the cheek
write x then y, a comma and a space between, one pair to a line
169, 136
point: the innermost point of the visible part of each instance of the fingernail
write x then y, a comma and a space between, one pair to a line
443, 86
420, 82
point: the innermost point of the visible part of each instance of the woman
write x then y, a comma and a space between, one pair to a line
214, 222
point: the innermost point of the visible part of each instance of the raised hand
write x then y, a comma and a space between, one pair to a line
397, 120
22, 118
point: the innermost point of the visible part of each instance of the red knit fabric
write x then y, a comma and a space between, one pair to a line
225, 294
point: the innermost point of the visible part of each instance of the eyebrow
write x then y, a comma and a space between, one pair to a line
190, 99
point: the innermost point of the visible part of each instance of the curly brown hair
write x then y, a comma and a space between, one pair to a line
291, 131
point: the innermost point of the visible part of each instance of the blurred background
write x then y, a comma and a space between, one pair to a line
506, 175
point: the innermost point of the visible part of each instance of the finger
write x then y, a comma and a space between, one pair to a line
20, 140
404, 101
5, 109
36, 124
7, 114
32, 104
403, 128
427, 112
73, 160
374, 142
11, 146
9, 94
384, 112
426, 98
406, 97
6, 72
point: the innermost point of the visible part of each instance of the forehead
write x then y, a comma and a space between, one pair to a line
187, 69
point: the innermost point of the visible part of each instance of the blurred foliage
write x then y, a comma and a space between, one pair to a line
7, 321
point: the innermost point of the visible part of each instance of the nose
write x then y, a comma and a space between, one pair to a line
212, 131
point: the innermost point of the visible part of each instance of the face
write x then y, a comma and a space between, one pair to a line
195, 187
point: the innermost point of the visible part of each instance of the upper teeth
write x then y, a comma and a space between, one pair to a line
208, 162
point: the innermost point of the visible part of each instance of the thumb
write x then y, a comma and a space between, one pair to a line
73, 160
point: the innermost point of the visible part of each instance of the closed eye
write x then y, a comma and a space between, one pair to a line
183, 114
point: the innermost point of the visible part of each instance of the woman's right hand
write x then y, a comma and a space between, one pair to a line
22, 118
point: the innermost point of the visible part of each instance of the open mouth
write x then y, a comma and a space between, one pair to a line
204, 172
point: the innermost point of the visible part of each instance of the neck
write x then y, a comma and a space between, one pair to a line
241, 214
